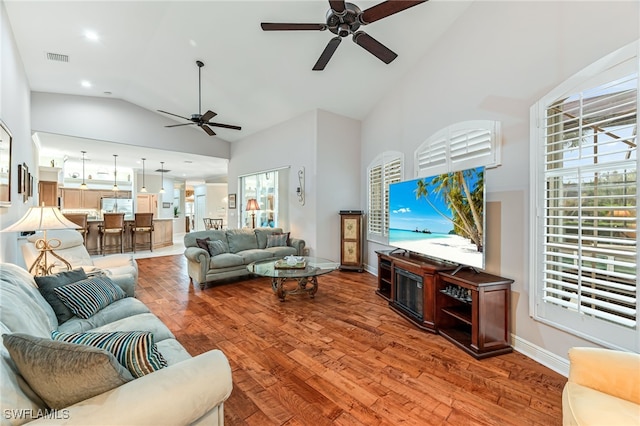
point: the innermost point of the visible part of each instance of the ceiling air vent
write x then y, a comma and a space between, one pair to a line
57, 57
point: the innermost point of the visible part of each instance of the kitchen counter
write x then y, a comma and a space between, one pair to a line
162, 235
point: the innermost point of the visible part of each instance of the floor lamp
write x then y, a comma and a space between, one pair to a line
43, 219
252, 206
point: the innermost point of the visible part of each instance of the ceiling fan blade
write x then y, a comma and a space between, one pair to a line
208, 130
208, 115
338, 6
327, 53
176, 125
175, 115
268, 26
376, 48
226, 126
386, 8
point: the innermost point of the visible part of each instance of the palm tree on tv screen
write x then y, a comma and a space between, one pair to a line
465, 203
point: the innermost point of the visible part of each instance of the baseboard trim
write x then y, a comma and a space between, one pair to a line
548, 359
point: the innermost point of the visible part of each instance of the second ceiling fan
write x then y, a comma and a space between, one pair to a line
345, 19
202, 120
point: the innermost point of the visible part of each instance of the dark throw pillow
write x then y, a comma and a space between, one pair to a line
136, 350
46, 285
85, 298
202, 243
64, 373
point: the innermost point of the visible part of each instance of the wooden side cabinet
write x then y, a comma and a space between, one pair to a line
351, 239
472, 311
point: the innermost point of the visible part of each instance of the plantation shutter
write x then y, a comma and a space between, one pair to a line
590, 170
375, 200
392, 174
384, 170
460, 146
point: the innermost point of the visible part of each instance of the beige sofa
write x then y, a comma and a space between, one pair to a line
243, 246
603, 388
121, 268
190, 390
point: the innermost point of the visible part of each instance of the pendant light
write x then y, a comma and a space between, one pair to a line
83, 185
144, 188
115, 172
162, 176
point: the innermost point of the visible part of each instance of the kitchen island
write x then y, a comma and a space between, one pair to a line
162, 235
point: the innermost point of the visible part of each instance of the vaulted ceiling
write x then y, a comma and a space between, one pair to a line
145, 52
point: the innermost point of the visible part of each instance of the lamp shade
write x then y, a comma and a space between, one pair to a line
252, 205
41, 219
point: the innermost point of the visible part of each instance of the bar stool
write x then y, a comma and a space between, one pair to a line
80, 219
143, 224
113, 224
208, 223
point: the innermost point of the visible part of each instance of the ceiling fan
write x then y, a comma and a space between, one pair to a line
344, 19
202, 120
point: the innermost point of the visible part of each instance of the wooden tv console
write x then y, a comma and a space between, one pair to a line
469, 308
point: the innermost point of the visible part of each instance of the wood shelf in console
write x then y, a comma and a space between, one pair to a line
481, 327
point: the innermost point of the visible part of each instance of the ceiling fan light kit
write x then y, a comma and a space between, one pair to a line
344, 19
201, 120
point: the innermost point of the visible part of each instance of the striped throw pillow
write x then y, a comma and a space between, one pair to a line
135, 350
86, 297
277, 240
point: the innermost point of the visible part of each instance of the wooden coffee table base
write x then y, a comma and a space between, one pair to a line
307, 285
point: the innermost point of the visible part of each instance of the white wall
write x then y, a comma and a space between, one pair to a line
496, 61
15, 112
327, 146
290, 144
336, 178
115, 120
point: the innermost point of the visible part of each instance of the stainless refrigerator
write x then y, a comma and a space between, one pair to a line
117, 205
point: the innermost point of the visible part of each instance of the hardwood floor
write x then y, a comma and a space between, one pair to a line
343, 358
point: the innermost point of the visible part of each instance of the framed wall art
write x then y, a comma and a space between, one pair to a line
5, 165
232, 201
24, 182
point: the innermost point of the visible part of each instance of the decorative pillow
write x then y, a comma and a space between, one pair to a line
85, 298
202, 243
277, 240
135, 350
46, 285
63, 373
217, 247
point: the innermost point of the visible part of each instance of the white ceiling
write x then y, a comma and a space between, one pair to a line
146, 55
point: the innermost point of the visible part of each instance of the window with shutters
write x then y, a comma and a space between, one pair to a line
585, 193
460, 146
384, 170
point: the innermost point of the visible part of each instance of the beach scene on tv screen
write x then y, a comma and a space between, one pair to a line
440, 216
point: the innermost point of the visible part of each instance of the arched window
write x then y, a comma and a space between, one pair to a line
460, 146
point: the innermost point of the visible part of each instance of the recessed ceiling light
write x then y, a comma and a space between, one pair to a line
91, 35
85, 83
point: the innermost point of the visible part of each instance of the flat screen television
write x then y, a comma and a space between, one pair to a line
441, 216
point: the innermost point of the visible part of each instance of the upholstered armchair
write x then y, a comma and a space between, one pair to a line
121, 268
603, 388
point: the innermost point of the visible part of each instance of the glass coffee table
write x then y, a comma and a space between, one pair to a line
305, 272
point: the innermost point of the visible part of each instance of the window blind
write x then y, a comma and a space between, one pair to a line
589, 244
383, 171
